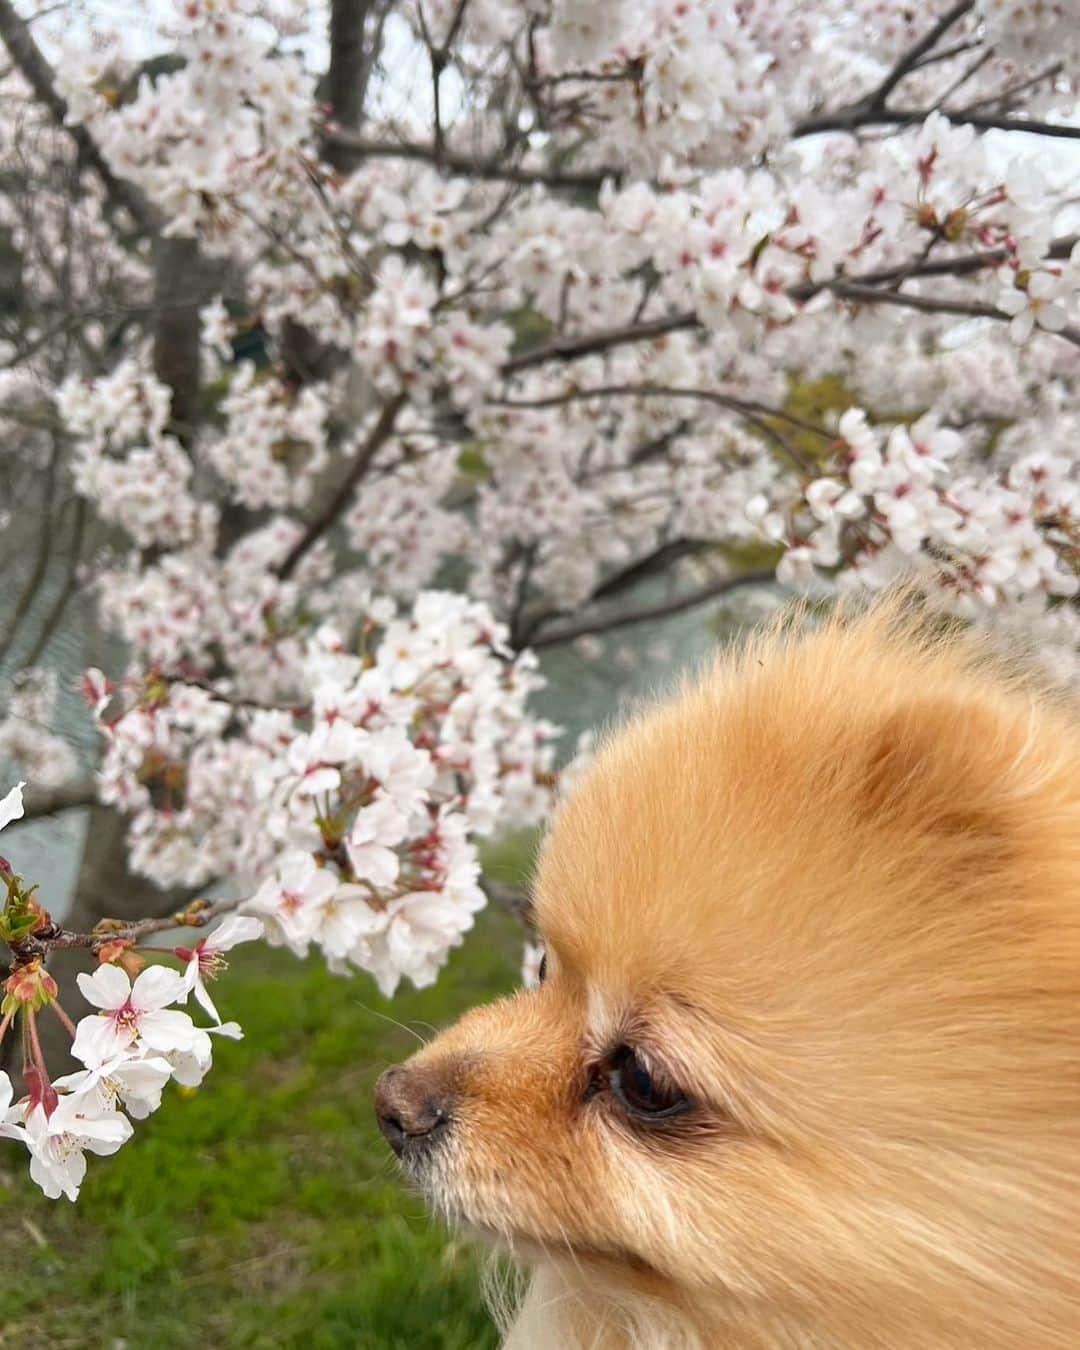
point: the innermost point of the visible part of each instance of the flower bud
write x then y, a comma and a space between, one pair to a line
42, 1093
29, 986
131, 963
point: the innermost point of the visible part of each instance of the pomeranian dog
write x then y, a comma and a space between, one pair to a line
804, 1068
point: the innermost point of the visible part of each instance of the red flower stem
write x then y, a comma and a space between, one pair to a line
39, 1058
69, 1025
5, 1024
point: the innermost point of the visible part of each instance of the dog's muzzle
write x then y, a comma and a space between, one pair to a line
412, 1113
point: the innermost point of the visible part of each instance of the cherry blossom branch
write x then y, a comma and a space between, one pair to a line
377, 437
851, 119
911, 58
1010, 93
629, 73
494, 169
659, 560
932, 305
874, 110
963, 265
713, 591
525, 625
35, 69
52, 937
569, 349
591, 344
748, 409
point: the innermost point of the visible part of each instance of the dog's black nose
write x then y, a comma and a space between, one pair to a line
409, 1109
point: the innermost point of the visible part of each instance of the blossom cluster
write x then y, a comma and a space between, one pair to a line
232, 108
361, 803
891, 504
129, 1048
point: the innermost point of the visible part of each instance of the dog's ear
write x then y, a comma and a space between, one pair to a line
945, 767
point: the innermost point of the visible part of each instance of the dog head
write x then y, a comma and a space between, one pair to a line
807, 1036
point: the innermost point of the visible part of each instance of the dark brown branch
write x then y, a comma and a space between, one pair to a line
666, 609
748, 409
196, 915
933, 305
568, 349
860, 115
1004, 97
455, 27
339, 503
914, 54
525, 625
964, 265
754, 414
510, 898
658, 561
493, 169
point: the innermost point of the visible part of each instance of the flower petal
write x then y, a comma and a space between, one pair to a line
204, 1000
11, 808
236, 928
107, 987
166, 1030
97, 1039
231, 1030
157, 987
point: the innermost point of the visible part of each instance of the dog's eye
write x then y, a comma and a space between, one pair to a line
643, 1093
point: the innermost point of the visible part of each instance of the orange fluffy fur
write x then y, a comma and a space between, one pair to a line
831, 890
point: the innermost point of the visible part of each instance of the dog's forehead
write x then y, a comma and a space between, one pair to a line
649, 850
769, 822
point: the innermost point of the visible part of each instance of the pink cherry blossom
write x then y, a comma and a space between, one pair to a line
206, 961
131, 1012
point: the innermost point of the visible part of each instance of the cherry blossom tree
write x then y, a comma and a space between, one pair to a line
356, 358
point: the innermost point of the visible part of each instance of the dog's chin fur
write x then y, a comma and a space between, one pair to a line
832, 891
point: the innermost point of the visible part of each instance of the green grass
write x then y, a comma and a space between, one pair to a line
263, 1209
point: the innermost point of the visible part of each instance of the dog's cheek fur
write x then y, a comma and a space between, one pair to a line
531, 1158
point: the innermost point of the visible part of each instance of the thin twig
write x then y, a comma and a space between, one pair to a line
339, 502
677, 605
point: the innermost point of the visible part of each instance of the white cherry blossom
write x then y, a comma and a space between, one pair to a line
59, 1141
206, 960
130, 1012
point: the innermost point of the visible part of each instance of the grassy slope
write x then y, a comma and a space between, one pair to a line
261, 1210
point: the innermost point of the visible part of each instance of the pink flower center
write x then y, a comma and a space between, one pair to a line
127, 1018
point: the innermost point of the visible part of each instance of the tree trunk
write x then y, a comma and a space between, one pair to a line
181, 287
